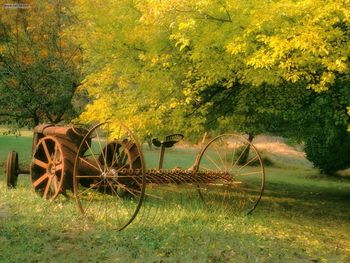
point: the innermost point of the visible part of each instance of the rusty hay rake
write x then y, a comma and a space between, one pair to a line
105, 170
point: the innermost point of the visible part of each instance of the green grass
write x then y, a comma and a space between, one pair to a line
22, 144
173, 157
303, 217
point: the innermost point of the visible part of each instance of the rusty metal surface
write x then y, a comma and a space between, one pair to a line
51, 167
98, 194
169, 141
41, 127
106, 172
238, 157
12, 169
174, 176
228, 175
72, 133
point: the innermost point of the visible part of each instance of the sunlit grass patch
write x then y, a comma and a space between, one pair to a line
303, 217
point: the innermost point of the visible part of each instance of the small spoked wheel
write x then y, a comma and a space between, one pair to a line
108, 179
238, 161
48, 167
12, 169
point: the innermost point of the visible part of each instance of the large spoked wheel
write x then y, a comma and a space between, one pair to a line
12, 169
48, 167
237, 159
109, 175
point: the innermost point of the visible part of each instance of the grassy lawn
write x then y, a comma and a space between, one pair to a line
303, 217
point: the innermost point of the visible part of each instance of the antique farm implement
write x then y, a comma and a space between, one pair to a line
105, 170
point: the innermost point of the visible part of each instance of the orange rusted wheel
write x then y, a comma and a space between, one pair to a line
12, 169
49, 167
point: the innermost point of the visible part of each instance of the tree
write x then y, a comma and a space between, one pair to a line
327, 142
250, 66
329, 151
39, 64
157, 58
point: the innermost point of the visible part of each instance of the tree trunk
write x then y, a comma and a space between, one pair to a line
36, 119
245, 154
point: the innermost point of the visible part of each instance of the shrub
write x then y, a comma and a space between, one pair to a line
329, 151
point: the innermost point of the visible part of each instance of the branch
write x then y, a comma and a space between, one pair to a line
207, 16
227, 12
210, 17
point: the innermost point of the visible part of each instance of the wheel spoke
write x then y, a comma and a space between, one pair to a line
90, 164
89, 176
242, 183
49, 156
115, 204
40, 180
46, 150
55, 184
106, 144
40, 163
218, 153
101, 150
90, 200
121, 159
119, 164
127, 189
47, 188
241, 154
93, 155
118, 197
59, 167
91, 187
103, 168
233, 155
210, 159
248, 162
115, 154
54, 158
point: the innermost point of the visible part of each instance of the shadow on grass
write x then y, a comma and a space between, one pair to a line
186, 240
176, 236
312, 201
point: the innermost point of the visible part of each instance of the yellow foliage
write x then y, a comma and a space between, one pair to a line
147, 61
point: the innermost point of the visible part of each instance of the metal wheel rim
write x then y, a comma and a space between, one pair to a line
51, 166
12, 169
76, 172
258, 158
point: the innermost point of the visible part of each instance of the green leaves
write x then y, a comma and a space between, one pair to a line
154, 64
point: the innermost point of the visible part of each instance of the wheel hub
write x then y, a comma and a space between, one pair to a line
113, 172
51, 169
104, 176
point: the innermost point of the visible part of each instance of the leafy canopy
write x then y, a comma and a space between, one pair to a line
159, 64
39, 63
